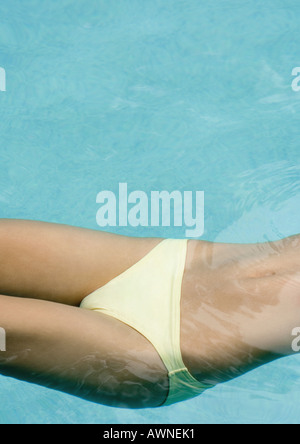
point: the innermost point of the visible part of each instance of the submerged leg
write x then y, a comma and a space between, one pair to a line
84, 353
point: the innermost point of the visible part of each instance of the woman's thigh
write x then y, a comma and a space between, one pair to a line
62, 263
84, 353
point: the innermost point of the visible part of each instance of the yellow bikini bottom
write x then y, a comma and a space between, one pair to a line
147, 297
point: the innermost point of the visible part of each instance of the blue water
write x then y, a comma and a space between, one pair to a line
163, 95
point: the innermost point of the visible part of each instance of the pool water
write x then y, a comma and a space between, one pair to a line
161, 95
